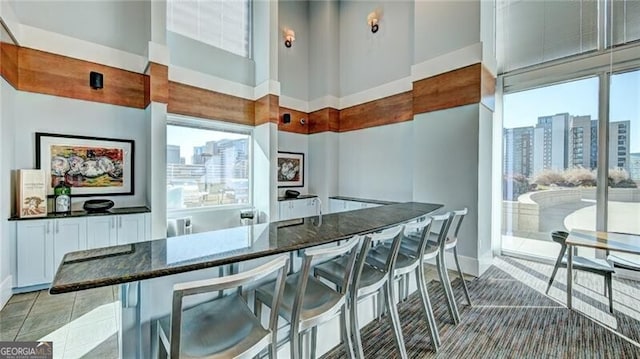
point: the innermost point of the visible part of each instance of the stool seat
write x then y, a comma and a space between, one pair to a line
213, 329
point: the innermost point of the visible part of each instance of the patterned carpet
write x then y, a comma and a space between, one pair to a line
511, 318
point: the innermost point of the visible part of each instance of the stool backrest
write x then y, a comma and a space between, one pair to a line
182, 290
312, 255
456, 222
444, 220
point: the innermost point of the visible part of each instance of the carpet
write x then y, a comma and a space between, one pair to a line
510, 318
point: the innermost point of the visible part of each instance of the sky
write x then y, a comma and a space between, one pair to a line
188, 137
578, 98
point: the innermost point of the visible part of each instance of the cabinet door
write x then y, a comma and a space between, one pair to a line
34, 252
131, 228
101, 231
310, 208
69, 235
286, 210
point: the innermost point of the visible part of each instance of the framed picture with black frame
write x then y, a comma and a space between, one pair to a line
92, 166
290, 169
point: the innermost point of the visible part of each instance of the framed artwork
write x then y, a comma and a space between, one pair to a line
92, 166
290, 169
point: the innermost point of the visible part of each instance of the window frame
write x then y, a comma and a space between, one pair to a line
221, 126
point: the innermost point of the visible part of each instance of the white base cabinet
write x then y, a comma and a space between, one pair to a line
42, 243
341, 205
298, 208
104, 231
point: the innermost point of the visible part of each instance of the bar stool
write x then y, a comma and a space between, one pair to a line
435, 250
222, 328
368, 280
408, 262
307, 302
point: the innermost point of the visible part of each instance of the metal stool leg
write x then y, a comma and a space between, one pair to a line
426, 305
443, 281
394, 319
464, 284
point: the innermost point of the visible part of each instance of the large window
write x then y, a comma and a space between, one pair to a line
207, 166
224, 24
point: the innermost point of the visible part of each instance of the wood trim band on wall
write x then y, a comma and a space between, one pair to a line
266, 109
294, 124
158, 82
488, 89
51, 74
385, 111
451, 89
9, 63
324, 120
194, 101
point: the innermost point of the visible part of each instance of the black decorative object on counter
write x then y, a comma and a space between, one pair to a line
97, 205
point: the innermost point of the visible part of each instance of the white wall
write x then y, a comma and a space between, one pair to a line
324, 56
293, 62
446, 166
445, 26
123, 25
366, 59
207, 59
295, 142
44, 113
7, 96
377, 162
323, 171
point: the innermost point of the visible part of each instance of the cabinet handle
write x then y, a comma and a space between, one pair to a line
48, 227
120, 221
57, 227
113, 222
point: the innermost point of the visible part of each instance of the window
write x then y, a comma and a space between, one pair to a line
207, 166
225, 24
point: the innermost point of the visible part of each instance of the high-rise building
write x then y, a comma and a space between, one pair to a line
518, 151
551, 142
563, 141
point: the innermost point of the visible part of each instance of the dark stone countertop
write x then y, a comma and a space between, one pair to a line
364, 200
111, 212
302, 196
133, 262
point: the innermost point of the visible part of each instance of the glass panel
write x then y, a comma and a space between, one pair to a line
624, 153
550, 140
206, 167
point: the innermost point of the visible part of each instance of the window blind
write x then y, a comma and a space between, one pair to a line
625, 21
224, 24
536, 31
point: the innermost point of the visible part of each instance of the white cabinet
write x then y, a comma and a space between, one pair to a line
35, 252
101, 231
341, 205
298, 208
132, 228
41, 244
104, 231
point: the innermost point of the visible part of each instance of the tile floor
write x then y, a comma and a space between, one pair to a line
81, 325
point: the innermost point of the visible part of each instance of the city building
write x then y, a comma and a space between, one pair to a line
173, 154
518, 151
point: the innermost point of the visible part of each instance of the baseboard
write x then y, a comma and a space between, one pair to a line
469, 265
5, 291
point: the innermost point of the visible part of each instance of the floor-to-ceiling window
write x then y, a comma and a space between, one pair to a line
571, 119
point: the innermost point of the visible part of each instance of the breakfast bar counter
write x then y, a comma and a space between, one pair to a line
148, 270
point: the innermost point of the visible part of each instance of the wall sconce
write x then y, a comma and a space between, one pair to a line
289, 37
95, 80
372, 19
